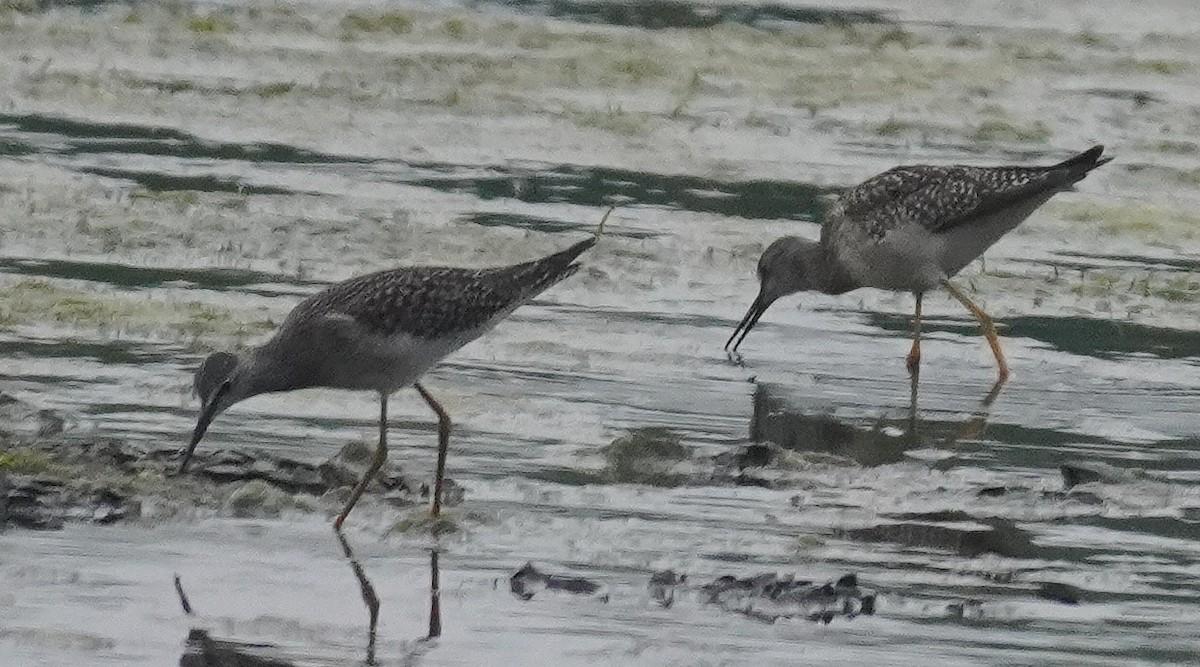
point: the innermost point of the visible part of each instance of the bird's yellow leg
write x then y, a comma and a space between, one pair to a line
376, 463
443, 447
985, 323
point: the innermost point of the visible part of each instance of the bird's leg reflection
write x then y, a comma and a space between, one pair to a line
435, 597
368, 594
978, 420
970, 430
914, 382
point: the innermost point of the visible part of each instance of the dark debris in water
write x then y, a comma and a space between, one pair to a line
1084, 472
203, 650
529, 581
1058, 592
663, 584
765, 597
770, 597
925, 531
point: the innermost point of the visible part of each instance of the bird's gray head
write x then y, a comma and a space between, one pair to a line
786, 267
220, 382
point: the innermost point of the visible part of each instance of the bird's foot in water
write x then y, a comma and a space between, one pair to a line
735, 358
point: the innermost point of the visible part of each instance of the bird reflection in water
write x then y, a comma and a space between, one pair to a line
203, 650
777, 418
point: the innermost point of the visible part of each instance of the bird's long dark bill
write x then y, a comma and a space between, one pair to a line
756, 311
206, 417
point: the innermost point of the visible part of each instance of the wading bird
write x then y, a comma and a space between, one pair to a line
378, 332
912, 228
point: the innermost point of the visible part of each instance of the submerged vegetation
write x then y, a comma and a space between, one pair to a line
530, 62
1000, 131
1146, 221
1166, 286
210, 24
33, 300
27, 461
645, 455
359, 22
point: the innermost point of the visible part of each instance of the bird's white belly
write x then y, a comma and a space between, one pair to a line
388, 363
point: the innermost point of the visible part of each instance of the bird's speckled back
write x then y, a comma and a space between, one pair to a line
434, 301
939, 198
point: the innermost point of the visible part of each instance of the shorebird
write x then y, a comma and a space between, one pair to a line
912, 228
378, 332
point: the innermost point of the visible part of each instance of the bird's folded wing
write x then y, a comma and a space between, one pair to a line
942, 198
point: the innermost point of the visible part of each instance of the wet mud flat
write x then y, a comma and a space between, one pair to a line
50, 479
173, 178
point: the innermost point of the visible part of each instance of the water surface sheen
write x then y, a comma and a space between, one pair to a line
853, 482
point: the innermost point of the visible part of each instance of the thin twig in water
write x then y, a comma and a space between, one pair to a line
183, 598
600, 229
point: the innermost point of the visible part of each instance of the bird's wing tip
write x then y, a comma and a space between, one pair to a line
1091, 158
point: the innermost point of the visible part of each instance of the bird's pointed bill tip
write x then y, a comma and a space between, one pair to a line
206, 416
747, 323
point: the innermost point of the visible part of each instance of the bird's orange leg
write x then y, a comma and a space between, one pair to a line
913, 360
985, 323
376, 464
443, 447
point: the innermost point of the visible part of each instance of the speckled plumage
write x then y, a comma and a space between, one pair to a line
939, 198
912, 228
430, 302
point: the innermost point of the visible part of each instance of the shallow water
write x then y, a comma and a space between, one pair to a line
196, 220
